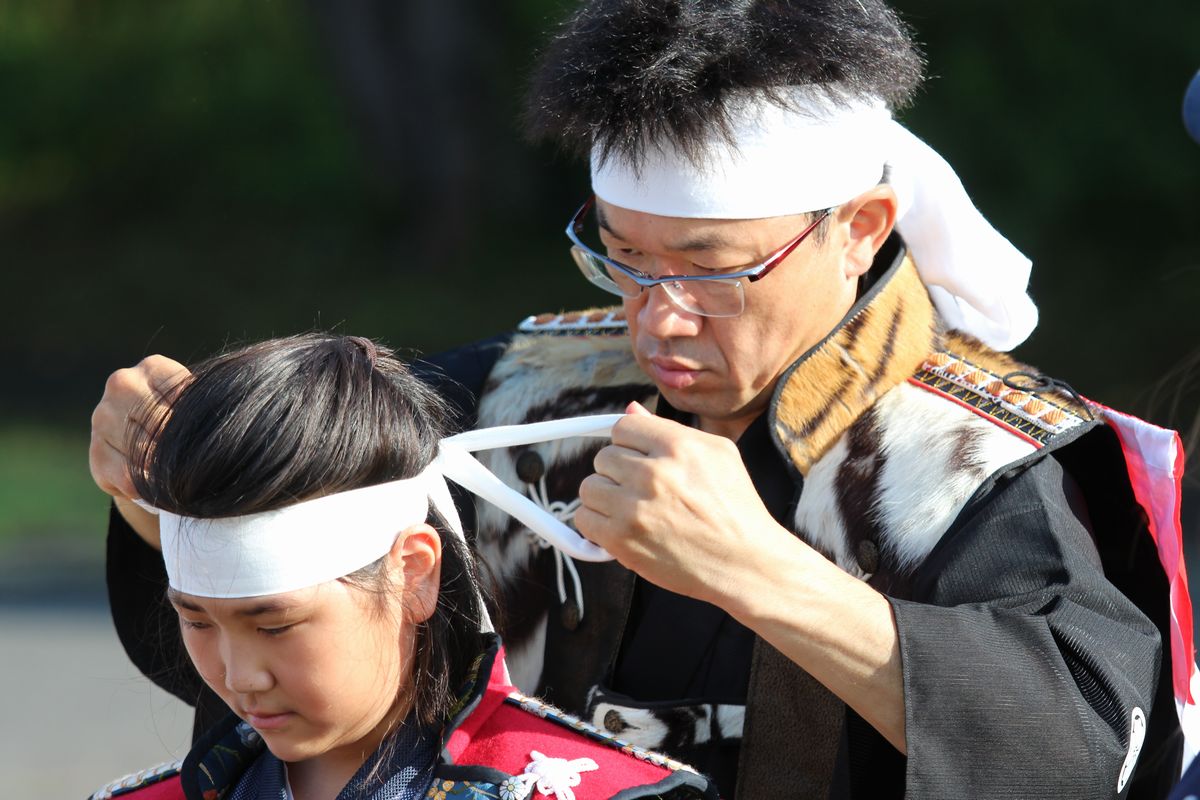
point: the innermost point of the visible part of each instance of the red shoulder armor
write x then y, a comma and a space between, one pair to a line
156, 783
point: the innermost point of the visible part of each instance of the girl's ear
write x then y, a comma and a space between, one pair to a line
415, 563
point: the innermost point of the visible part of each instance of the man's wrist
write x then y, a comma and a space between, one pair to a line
143, 523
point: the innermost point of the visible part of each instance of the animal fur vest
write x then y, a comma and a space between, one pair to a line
892, 424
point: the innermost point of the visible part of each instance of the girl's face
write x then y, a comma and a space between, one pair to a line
323, 672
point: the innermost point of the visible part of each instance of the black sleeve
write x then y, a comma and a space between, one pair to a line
146, 624
459, 375
1023, 665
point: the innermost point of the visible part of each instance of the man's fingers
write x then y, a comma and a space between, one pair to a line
595, 492
110, 469
619, 463
155, 377
134, 398
594, 526
649, 434
127, 396
164, 376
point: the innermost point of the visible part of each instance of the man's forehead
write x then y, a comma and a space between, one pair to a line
685, 234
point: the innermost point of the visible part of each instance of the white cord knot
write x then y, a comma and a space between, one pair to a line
564, 512
555, 776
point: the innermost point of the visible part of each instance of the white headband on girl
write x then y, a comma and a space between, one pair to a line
818, 152
332, 536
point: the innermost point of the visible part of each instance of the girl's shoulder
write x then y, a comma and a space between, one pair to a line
159, 782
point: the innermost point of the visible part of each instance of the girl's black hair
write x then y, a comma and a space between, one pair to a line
290, 419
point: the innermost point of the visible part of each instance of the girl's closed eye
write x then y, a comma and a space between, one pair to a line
278, 630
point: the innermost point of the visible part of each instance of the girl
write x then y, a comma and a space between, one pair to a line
325, 593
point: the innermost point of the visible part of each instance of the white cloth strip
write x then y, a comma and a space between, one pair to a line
599, 425
291, 548
818, 152
329, 537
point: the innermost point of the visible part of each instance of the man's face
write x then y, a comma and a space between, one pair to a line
723, 370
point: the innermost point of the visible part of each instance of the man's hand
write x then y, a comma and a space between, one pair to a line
676, 506
132, 396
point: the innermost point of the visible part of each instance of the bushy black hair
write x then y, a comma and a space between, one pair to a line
621, 73
290, 419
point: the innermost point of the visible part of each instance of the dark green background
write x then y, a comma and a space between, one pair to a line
178, 176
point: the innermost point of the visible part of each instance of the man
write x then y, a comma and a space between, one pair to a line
860, 552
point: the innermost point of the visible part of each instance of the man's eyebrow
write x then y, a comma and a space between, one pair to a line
700, 243
697, 243
602, 220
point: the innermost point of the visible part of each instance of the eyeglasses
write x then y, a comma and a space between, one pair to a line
709, 296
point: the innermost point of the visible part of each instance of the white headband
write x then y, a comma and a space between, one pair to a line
324, 539
820, 151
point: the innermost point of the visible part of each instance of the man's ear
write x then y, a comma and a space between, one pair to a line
415, 563
868, 219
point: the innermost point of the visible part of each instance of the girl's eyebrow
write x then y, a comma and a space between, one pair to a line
265, 607
177, 599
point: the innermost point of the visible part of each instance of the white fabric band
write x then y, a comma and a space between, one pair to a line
329, 537
817, 153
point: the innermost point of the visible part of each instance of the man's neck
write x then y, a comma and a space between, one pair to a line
731, 429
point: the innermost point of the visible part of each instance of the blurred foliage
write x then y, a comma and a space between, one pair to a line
45, 488
177, 176
1064, 121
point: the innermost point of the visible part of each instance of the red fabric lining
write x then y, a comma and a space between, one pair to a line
169, 789
511, 734
1160, 496
503, 736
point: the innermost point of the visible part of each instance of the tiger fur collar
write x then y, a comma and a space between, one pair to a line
891, 423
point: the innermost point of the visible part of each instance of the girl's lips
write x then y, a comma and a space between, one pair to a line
268, 722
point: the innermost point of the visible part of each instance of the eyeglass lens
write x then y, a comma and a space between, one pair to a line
711, 298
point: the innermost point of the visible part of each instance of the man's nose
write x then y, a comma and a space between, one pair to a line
659, 316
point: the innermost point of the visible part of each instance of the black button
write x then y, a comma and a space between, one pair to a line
868, 556
530, 467
614, 722
570, 615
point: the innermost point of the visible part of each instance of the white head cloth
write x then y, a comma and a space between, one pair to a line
819, 152
320, 540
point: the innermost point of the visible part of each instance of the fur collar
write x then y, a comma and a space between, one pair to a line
895, 424
882, 341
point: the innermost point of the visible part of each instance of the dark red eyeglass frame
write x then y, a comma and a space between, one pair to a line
757, 272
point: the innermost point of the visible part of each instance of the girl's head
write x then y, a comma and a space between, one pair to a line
337, 663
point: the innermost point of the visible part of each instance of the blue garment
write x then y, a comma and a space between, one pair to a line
410, 754
1189, 787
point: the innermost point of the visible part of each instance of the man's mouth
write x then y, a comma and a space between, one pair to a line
672, 373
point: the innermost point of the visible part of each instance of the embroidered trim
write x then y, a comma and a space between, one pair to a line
1030, 415
549, 712
604, 321
508, 789
137, 780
